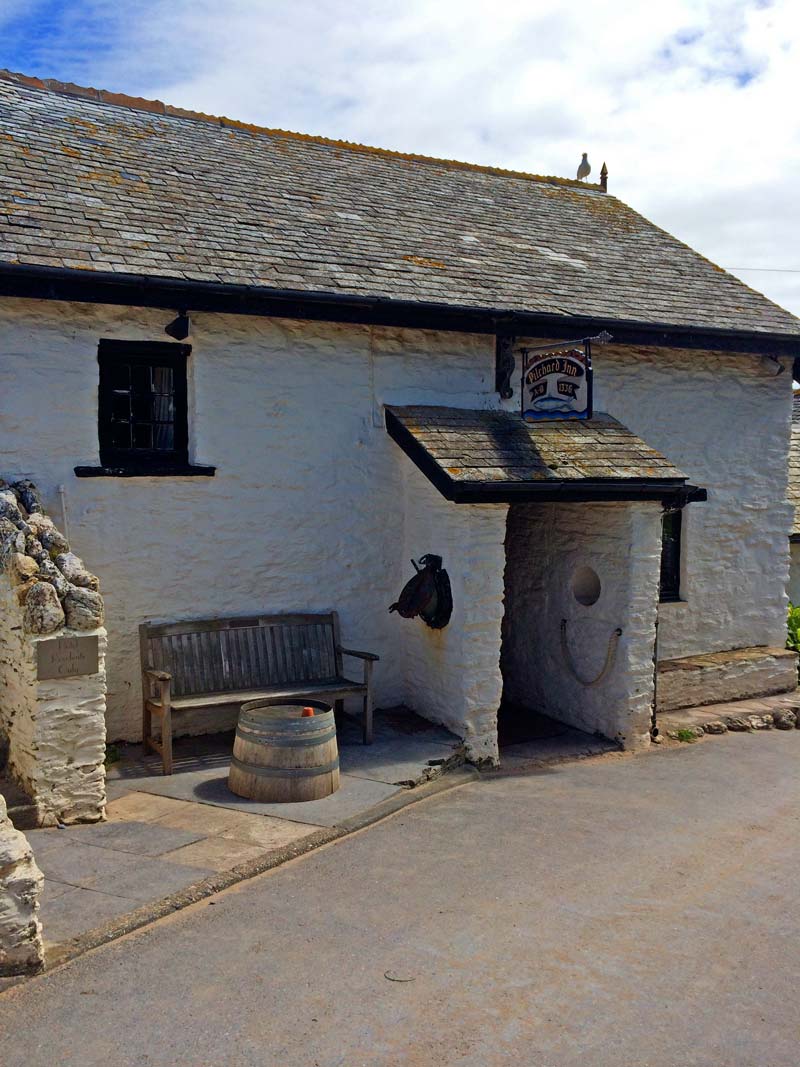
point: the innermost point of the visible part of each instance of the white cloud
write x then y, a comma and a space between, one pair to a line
692, 103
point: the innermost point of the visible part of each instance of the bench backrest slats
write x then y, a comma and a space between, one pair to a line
220, 655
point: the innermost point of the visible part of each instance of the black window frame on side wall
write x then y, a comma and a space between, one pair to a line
134, 460
669, 581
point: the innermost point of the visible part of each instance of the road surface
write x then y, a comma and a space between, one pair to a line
619, 912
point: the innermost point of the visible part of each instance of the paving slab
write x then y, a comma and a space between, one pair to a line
120, 874
266, 830
84, 866
44, 841
76, 910
142, 807
216, 853
211, 787
204, 818
140, 838
151, 879
51, 890
396, 760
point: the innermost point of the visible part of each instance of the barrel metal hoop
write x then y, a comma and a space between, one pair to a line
283, 741
285, 772
300, 725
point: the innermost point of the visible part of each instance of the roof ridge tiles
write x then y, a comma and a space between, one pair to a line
158, 107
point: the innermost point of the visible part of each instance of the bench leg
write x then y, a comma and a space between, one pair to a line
147, 726
166, 741
367, 721
368, 703
338, 710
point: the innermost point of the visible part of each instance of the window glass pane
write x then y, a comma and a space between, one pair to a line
163, 436
120, 407
119, 375
142, 406
162, 408
162, 379
670, 577
142, 435
120, 435
140, 377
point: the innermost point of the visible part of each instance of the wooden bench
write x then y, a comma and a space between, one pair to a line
210, 662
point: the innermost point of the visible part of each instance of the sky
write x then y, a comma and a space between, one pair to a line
692, 105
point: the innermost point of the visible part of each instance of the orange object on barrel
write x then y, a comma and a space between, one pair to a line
307, 712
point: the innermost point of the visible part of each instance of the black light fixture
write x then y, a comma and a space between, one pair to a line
179, 327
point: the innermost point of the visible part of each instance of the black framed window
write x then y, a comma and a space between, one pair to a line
143, 420
670, 578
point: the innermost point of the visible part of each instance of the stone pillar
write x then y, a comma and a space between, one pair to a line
54, 727
452, 676
21, 883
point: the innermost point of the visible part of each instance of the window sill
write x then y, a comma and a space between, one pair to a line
672, 600
181, 470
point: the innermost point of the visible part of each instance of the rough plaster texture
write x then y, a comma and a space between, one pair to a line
307, 507
725, 420
56, 728
547, 544
721, 677
21, 882
452, 676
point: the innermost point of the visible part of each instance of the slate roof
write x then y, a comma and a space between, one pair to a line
468, 453
94, 181
793, 491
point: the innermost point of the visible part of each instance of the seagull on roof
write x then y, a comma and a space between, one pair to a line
584, 169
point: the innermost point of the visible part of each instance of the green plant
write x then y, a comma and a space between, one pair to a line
687, 734
793, 627
112, 755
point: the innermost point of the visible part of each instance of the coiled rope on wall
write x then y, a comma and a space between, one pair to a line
611, 653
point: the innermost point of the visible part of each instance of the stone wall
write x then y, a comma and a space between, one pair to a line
718, 677
551, 550
452, 675
21, 883
306, 510
54, 728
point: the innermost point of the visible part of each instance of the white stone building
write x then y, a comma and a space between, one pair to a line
348, 396
794, 499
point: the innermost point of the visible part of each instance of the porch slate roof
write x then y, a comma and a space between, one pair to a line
496, 456
92, 181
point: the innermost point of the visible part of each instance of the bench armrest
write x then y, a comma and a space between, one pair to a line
157, 676
358, 655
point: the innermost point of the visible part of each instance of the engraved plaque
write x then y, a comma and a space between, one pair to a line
67, 657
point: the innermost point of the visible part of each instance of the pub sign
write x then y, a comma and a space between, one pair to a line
557, 383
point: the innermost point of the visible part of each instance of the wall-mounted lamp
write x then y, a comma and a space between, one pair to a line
179, 327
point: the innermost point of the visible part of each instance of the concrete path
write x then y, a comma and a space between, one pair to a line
616, 912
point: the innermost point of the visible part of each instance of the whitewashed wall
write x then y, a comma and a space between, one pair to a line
724, 420
452, 676
307, 508
547, 545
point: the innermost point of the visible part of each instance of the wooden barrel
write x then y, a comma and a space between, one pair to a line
279, 755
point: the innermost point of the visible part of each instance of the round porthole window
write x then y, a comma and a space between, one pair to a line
586, 586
